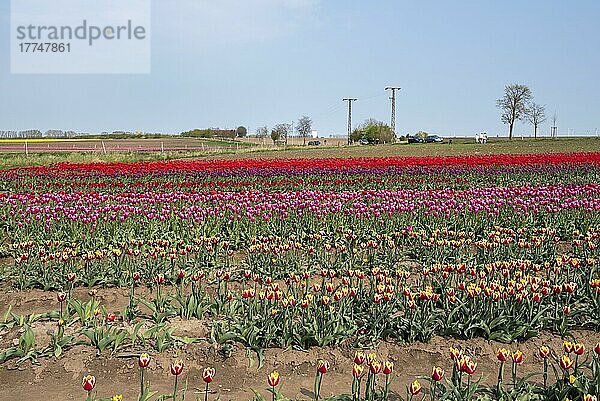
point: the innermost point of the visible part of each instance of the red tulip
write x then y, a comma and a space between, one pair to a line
517, 357
544, 352
177, 367
502, 354
566, 362
322, 366
437, 374
579, 349
359, 358
415, 387
274, 378
89, 382
144, 360
61, 296
375, 367
358, 370
208, 375
388, 367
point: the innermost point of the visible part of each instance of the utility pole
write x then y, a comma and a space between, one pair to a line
553, 129
393, 99
349, 100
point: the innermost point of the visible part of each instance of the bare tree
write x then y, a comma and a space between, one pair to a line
513, 105
262, 132
536, 115
283, 130
304, 127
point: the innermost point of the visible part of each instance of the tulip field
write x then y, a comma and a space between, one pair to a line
172, 280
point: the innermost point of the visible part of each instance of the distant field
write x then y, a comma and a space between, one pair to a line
116, 145
130, 150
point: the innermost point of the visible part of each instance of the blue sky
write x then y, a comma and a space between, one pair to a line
223, 63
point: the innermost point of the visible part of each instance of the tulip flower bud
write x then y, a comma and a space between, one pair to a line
544, 352
415, 387
388, 367
322, 366
358, 370
89, 382
177, 367
437, 374
208, 375
274, 378
144, 360
517, 357
359, 358
503, 354
579, 349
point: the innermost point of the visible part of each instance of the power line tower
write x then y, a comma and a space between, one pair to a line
393, 99
349, 100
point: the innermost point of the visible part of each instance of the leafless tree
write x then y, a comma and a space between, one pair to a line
513, 105
262, 132
283, 131
535, 115
304, 127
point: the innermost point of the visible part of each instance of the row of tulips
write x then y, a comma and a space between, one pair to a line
294, 165
574, 379
45, 263
503, 301
417, 177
